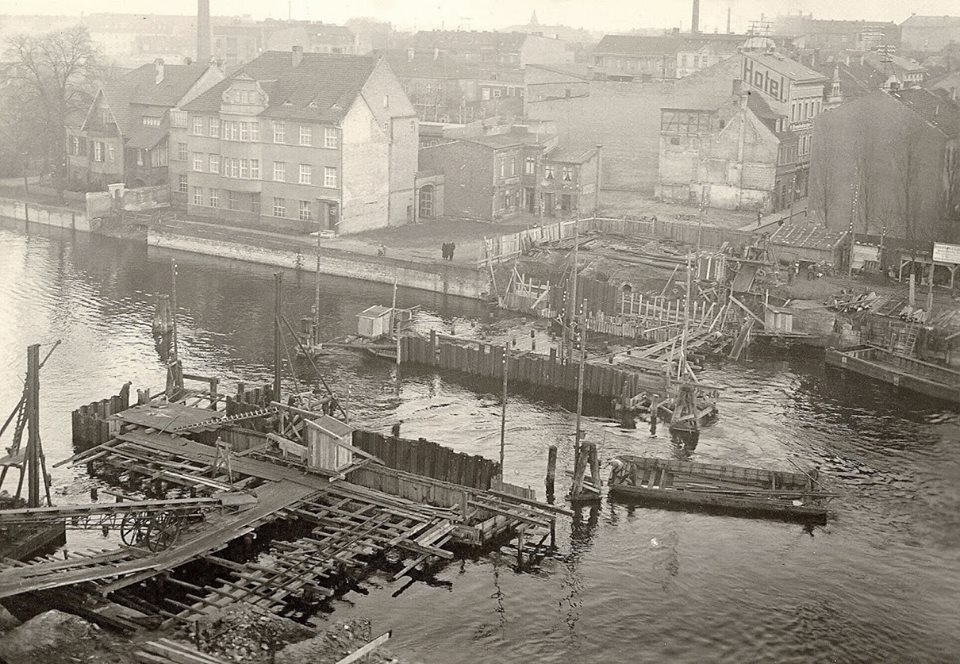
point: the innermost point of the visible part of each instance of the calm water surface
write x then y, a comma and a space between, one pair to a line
881, 582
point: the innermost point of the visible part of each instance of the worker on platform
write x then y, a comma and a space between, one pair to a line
654, 406
395, 429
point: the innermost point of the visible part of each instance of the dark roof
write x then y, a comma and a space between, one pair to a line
568, 155
907, 64
808, 235
760, 107
145, 137
177, 80
789, 68
935, 109
856, 80
322, 88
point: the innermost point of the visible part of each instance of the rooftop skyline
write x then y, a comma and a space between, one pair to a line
612, 16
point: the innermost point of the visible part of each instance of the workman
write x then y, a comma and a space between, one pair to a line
653, 419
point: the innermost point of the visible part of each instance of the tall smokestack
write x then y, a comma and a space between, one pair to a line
203, 31
695, 21
729, 32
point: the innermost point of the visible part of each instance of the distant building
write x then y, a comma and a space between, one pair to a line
562, 32
625, 118
810, 33
794, 97
124, 136
493, 49
547, 82
442, 89
502, 175
929, 34
237, 41
722, 158
899, 154
372, 35
661, 57
297, 140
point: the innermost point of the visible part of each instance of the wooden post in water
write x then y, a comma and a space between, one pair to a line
503, 405
278, 313
173, 305
551, 472
33, 425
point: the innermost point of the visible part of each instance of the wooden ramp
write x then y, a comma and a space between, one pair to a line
131, 564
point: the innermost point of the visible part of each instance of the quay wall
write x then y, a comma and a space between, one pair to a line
445, 279
46, 215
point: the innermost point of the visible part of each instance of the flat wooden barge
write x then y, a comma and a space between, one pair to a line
901, 371
749, 491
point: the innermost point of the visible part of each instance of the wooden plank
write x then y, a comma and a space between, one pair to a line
367, 649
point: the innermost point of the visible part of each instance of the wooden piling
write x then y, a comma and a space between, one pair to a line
551, 472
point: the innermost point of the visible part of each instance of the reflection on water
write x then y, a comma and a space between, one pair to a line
879, 582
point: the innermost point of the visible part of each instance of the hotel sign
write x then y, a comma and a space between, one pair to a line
765, 79
946, 253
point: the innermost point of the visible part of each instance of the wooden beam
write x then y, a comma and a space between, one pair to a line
366, 650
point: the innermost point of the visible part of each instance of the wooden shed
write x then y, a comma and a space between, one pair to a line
375, 321
329, 444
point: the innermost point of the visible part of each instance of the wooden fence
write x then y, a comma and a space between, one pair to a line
600, 379
421, 457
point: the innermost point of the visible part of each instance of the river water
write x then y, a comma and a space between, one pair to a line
880, 582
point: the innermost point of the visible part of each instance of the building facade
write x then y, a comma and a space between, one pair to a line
238, 41
794, 95
493, 49
298, 141
124, 137
722, 158
929, 34
503, 175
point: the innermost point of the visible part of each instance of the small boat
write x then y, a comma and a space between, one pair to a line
749, 491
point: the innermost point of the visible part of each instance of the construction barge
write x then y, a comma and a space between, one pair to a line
908, 373
733, 489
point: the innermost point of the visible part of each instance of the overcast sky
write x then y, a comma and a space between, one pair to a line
602, 15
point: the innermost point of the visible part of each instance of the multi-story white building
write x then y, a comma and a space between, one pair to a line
295, 140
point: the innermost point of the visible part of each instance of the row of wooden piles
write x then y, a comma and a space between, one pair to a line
486, 360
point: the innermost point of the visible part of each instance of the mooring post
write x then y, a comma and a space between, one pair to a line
551, 472
33, 425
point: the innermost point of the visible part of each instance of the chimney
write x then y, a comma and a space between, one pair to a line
297, 55
695, 20
203, 30
158, 63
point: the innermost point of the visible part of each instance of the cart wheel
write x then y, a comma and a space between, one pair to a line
163, 531
133, 528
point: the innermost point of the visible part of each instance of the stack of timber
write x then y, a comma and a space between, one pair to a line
748, 491
477, 358
905, 372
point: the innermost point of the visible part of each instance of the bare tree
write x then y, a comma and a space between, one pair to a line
823, 179
910, 195
61, 69
950, 194
23, 139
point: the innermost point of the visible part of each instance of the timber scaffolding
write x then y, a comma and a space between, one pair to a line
199, 484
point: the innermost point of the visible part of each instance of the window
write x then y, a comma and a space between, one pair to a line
178, 118
182, 185
530, 166
279, 132
215, 163
182, 152
279, 171
305, 174
486, 94
279, 207
306, 135
74, 145
214, 197
244, 131
329, 176
548, 171
497, 92
198, 195
198, 161
215, 127
98, 151
330, 137
111, 154
513, 166
567, 173
503, 167
305, 214
254, 131
232, 202
197, 126
148, 121
254, 169
245, 168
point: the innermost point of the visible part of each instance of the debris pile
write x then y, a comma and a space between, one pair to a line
335, 643
55, 637
245, 634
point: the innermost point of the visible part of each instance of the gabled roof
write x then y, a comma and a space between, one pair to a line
140, 87
937, 110
906, 64
321, 88
792, 69
568, 155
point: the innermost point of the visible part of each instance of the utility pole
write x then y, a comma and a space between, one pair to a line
324, 217
686, 325
278, 283
581, 336
33, 425
503, 405
173, 306
853, 210
576, 264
